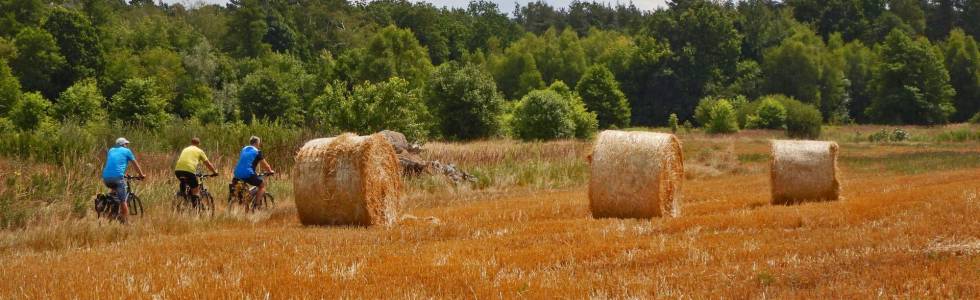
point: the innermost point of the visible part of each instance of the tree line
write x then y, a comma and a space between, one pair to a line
463, 73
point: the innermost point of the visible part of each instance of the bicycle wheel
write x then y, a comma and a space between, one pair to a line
135, 205
269, 202
207, 203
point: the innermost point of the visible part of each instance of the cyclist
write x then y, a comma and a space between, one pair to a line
248, 161
186, 166
114, 174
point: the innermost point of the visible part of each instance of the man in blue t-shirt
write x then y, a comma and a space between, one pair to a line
114, 173
248, 161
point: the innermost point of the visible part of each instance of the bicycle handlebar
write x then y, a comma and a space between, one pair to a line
127, 177
206, 175
266, 174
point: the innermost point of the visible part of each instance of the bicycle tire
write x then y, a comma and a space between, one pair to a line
207, 203
135, 205
270, 201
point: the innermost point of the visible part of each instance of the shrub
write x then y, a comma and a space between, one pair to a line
373, 107
601, 94
723, 119
975, 119
31, 111
82, 102
883, 135
672, 122
702, 113
770, 115
586, 123
900, 135
550, 114
465, 101
139, 102
802, 120
266, 94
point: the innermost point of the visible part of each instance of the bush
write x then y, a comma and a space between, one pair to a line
586, 123
139, 103
9, 88
601, 94
975, 119
31, 111
547, 114
465, 101
769, 114
266, 94
702, 113
723, 119
802, 120
373, 107
672, 122
883, 135
81, 102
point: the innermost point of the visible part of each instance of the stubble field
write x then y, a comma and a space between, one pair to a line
907, 226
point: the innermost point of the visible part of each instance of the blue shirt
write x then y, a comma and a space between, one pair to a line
247, 161
116, 162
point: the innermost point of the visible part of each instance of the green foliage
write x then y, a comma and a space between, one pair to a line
963, 62
79, 42
30, 112
395, 52
81, 102
586, 122
803, 67
465, 100
516, 73
140, 103
601, 94
975, 119
372, 107
722, 118
9, 89
553, 113
859, 62
770, 114
911, 84
264, 96
802, 120
38, 61
672, 122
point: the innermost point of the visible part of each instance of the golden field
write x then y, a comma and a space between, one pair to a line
907, 227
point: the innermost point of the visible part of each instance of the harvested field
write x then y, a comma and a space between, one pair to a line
907, 232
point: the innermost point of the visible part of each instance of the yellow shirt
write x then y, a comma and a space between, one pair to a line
189, 158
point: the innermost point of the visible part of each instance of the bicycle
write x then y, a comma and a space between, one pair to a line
243, 194
107, 204
205, 203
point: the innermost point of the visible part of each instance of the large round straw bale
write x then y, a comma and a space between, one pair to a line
347, 180
635, 175
803, 171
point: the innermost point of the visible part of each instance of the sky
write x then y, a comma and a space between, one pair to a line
506, 6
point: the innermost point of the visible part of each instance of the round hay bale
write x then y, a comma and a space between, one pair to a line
802, 171
635, 175
347, 180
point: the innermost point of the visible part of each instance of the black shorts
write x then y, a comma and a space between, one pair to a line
187, 178
254, 180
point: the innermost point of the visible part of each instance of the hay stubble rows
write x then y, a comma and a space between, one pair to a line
892, 233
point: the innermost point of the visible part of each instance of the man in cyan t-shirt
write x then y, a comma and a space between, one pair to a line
114, 173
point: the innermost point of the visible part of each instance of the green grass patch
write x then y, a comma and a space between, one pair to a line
914, 163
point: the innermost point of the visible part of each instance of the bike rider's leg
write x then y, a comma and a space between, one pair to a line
196, 194
260, 193
122, 193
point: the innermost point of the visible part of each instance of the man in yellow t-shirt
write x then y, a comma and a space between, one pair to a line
186, 167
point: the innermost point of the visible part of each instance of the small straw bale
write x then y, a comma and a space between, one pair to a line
347, 180
803, 171
635, 175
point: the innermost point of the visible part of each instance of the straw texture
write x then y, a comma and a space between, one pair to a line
635, 175
803, 171
347, 180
